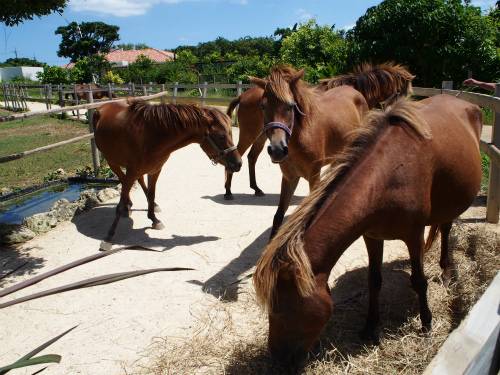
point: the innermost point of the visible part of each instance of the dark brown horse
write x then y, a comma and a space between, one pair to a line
141, 136
384, 83
319, 124
98, 92
416, 165
380, 83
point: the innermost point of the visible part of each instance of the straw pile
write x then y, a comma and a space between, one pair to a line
230, 338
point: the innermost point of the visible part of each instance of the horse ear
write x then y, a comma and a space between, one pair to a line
259, 82
297, 76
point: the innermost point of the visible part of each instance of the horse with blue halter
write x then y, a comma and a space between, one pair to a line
141, 136
416, 165
305, 129
382, 83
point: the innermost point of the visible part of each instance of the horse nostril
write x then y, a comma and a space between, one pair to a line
285, 151
270, 150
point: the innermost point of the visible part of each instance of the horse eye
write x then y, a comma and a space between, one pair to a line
222, 136
261, 105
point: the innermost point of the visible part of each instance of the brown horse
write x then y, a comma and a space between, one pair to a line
380, 83
141, 136
98, 92
319, 124
415, 165
384, 83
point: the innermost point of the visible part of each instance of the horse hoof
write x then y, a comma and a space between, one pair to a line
259, 193
105, 246
157, 208
158, 226
229, 197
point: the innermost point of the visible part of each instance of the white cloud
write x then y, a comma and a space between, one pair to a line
123, 8
119, 8
303, 15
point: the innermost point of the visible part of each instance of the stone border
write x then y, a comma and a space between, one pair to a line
62, 210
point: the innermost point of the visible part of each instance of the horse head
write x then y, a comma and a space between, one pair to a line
219, 146
279, 107
295, 321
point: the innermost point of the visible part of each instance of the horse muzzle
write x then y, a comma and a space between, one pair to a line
233, 166
278, 152
289, 357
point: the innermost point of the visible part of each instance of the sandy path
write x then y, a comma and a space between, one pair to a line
221, 240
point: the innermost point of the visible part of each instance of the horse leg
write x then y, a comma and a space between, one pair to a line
121, 176
152, 179
419, 280
121, 208
375, 256
243, 145
145, 190
288, 187
253, 155
444, 262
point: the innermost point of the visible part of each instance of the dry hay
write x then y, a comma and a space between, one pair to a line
230, 338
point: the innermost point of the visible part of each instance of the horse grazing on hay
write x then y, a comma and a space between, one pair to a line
417, 164
141, 136
380, 83
319, 124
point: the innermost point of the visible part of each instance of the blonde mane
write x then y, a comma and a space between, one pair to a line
288, 244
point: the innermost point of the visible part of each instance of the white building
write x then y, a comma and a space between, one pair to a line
26, 72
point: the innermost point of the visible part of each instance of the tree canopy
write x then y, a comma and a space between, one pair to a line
438, 39
315, 46
89, 38
13, 12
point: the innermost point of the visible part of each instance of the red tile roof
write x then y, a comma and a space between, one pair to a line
130, 56
156, 55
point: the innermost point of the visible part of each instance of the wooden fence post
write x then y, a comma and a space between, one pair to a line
95, 151
61, 97
110, 92
162, 89
204, 94
493, 205
174, 95
144, 91
239, 89
446, 85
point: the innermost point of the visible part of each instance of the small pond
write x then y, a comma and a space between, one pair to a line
39, 199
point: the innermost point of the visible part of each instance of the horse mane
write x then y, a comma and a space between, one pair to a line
176, 116
287, 247
375, 81
279, 85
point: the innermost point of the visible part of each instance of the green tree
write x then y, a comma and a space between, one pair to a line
437, 39
125, 47
13, 12
140, 46
180, 70
53, 74
140, 71
315, 46
20, 62
87, 39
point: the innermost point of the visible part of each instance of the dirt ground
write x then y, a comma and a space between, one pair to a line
116, 323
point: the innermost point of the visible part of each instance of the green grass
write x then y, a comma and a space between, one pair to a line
28, 134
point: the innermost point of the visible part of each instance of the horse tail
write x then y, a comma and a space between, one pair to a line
233, 105
431, 237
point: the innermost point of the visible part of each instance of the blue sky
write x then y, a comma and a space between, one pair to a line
166, 24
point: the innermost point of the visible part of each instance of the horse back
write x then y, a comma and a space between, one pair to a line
455, 127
